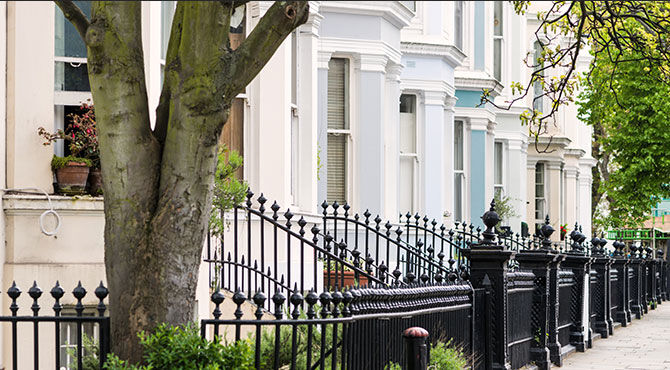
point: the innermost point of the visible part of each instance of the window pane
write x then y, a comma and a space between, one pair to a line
68, 43
337, 148
498, 169
406, 190
539, 209
497, 56
167, 13
337, 93
458, 145
458, 24
537, 85
71, 77
458, 197
497, 18
407, 124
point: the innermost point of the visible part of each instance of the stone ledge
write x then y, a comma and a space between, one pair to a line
33, 203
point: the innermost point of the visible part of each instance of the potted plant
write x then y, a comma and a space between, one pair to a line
333, 275
82, 167
564, 231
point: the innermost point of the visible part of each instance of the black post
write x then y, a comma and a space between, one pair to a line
539, 261
636, 282
416, 350
580, 264
602, 291
488, 270
620, 264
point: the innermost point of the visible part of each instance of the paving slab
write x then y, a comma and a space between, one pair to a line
642, 345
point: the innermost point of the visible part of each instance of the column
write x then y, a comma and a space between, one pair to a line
369, 189
553, 195
571, 195
433, 158
585, 180
530, 193
392, 140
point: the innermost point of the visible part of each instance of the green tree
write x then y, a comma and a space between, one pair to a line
628, 108
158, 183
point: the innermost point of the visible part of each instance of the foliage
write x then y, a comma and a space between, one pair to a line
60, 162
81, 135
90, 359
445, 356
228, 190
628, 108
393, 366
181, 347
504, 207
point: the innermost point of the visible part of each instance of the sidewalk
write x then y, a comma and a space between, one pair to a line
644, 344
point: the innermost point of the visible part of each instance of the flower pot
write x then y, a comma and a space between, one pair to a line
343, 280
72, 178
95, 182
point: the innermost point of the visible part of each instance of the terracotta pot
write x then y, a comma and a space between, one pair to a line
72, 178
95, 182
343, 281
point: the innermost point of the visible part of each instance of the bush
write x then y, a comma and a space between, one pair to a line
445, 357
182, 348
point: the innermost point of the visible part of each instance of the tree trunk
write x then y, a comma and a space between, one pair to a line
158, 185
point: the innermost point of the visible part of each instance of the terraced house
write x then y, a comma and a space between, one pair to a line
375, 105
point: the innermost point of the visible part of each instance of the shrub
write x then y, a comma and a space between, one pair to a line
444, 356
228, 190
181, 347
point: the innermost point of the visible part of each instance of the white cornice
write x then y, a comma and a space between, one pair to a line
477, 81
575, 152
394, 12
427, 85
553, 141
474, 113
449, 53
322, 59
359, 47
373, 62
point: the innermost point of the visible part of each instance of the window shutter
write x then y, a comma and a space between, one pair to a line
337, 120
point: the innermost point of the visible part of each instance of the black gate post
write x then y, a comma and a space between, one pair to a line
602, 291
538, 261
620, 264
636, 282
488, 270
580, 264
651, 287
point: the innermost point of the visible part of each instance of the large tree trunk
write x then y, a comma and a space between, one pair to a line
158, 185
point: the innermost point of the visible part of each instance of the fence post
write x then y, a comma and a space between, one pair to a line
601, 265
538, 261
416, 349
658, 277
620, 264
651, 287
488, 270
580, 264
636, 283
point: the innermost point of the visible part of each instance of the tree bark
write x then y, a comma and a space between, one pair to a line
158, 185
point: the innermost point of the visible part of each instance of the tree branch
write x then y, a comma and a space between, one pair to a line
250, 57
75, 16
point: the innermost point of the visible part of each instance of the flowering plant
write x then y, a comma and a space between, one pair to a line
564, 231
81, 135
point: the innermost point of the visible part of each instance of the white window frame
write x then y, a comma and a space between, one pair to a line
71, 335
460, 173
501, 39
460, 25
499, 186
416, 162
348, 132
538, 100
543, 198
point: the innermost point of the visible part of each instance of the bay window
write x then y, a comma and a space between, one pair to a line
339, 132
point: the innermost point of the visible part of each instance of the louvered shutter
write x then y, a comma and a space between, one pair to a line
337, 120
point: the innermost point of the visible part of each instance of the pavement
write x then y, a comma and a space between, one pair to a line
643, 344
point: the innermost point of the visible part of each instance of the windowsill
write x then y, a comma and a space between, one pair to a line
29, 203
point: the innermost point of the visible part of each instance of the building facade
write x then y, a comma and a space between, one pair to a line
376, 104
